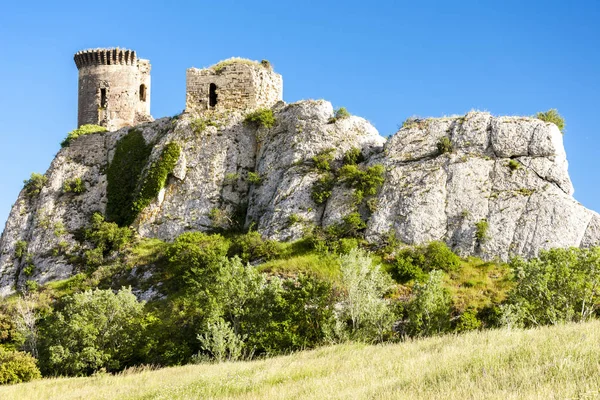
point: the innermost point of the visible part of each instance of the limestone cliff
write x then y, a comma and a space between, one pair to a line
509, 172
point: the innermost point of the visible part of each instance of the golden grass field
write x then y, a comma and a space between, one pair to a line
560, 362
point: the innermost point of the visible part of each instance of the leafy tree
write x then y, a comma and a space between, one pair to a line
368, 314
429, 311
561, 285
95, 329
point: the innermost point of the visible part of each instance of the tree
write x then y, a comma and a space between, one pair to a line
95, 329
368, 314
561, 285
429, 311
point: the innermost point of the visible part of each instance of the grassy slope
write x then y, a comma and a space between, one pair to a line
547, 363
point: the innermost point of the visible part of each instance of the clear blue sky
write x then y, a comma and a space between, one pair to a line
383, 60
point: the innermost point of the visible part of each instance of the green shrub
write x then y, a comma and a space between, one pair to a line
156, 177
33, 185
322, 188
353, 156
20, 248
194, 255
481, 231
513, 165
198, 125
415, 262
95, 329
323, 159
263, 117
368, 180
428, 312
252, 247
75, 185
81, 131
467, 321
444, 145
221, 341
338, 114
17, 367
294, 219
254, 178
123, 176
554, 117
561, 285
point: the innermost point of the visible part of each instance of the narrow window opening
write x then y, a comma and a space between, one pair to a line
103, 98
142, 92
212, 95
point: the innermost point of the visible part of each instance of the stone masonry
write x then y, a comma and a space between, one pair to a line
114, 88
232, 85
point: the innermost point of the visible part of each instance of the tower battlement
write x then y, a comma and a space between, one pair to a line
113, 56
114, 88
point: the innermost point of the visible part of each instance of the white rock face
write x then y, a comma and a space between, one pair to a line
509, 171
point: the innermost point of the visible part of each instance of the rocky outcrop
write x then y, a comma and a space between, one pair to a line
508, 174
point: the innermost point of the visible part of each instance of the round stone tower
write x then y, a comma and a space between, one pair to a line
114, 88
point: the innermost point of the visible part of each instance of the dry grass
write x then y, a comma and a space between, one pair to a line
549, 363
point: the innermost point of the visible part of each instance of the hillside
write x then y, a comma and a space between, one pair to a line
547, 363
487, 186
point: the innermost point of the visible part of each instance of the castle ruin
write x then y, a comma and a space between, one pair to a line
114, 88
233, 84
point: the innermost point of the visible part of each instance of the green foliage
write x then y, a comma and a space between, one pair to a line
198, 125
221, 341
81, 131
156, 177
294, 219
107, 236
252, 247
444, 145
322, 188
338, 114
353, 156
95, 329
513, 165
33, 185
323, 159
428, 312
363, 313
20, 248
351, 226
561, 285
481, 231
467, 321
123, 176
254, 178
17, 367
554, 117
263, 117
75, 185
220, 66
366, 180
415, 262
193, 256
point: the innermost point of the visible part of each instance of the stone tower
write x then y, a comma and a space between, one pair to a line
234, 84
114, 88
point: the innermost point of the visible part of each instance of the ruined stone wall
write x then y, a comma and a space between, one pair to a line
110, 82
239, 86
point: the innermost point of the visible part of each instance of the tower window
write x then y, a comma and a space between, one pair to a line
212, 95
142, 92
103, 101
